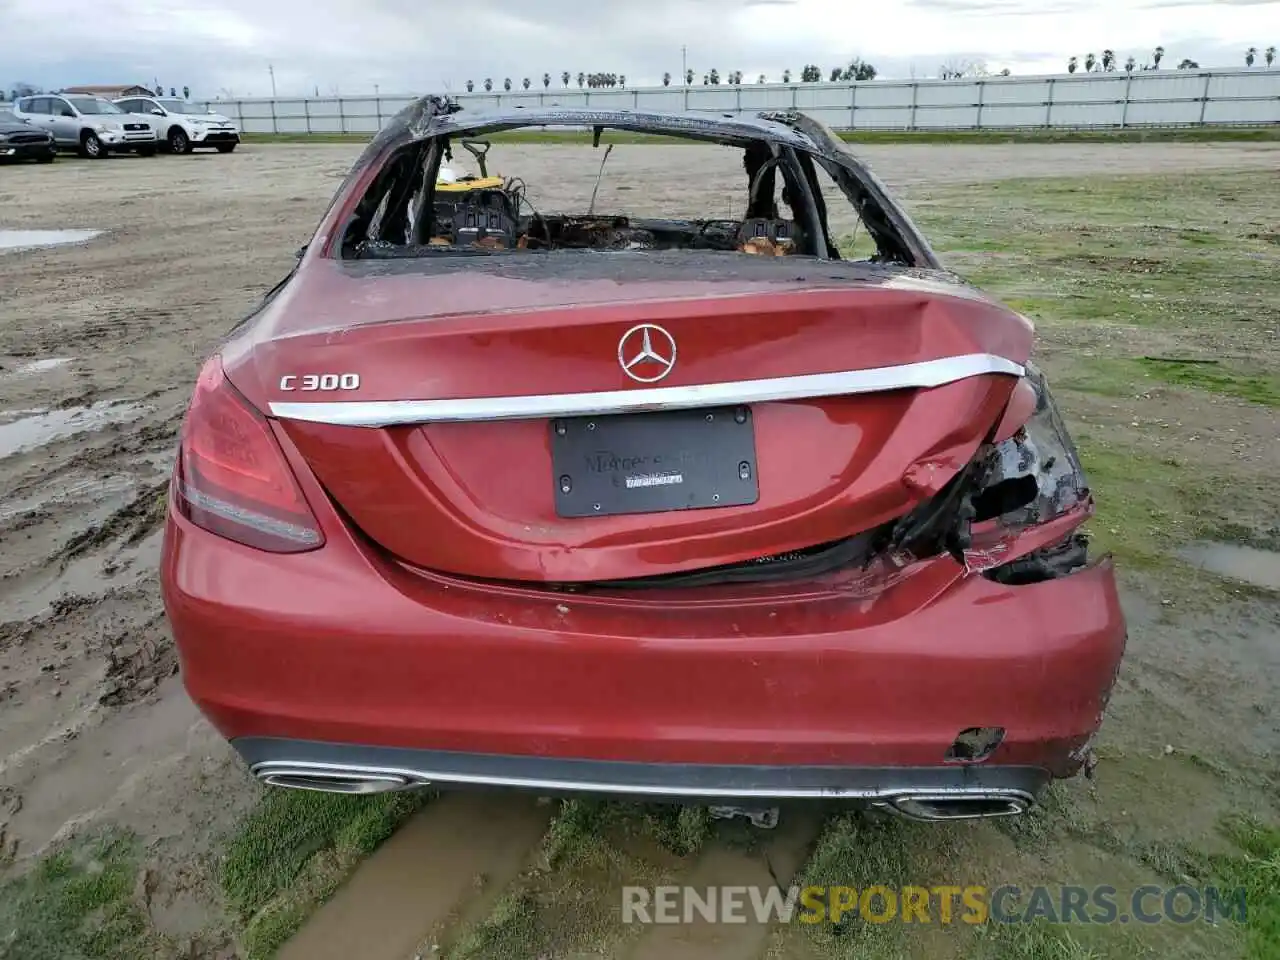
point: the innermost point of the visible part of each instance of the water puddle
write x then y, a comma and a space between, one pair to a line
423, 877
12, 241
8, 416
33, 367
49, 425
1238, 562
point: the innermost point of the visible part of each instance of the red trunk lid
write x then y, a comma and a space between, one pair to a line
484, 497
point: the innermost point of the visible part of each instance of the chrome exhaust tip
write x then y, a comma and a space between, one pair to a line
960, 806
326, 778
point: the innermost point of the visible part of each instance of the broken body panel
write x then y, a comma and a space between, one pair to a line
834, 497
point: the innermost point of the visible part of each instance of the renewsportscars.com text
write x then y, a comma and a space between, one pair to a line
973, 904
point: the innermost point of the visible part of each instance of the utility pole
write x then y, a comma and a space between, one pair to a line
272, 70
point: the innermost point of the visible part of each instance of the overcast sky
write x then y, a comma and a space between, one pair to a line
425, 45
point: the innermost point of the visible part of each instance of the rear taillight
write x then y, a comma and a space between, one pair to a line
233, 478
1034, 475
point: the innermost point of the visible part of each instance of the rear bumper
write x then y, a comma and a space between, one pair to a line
343, 647
952, 792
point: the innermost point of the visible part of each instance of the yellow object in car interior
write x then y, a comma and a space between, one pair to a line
479, 183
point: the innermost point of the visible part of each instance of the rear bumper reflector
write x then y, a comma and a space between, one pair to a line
385, 413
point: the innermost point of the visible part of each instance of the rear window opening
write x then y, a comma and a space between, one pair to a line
466, 195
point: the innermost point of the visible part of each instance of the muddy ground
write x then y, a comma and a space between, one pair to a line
99, 344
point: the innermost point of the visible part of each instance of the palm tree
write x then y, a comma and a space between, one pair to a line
1188, 64
1270, 56
835, 73
506, 84
564, 78
546, 81
858, 69
666, 79
488, 84
1129, 65
582, 78
525, 82
786, 76
688, 78
714, 77
760, 79
622, 79
1072, 64
471, 85
1090, 61
1156, 56
1249, 56
1108, 60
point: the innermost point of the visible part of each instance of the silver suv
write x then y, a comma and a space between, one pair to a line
93, 126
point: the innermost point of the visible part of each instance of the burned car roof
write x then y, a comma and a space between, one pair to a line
781, 132
434, 116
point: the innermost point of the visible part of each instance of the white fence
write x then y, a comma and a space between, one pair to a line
1164, 98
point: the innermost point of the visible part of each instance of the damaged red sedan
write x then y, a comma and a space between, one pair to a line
494, 492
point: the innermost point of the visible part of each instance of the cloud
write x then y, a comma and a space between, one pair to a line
406, 46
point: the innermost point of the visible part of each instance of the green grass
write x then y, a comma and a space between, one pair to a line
1154, 135
294, 850
568, 904
1141, 288
1256, 868
856, 851
861, 852
1146, 505
77, 904
1260, 388
1035, 941
1130, 376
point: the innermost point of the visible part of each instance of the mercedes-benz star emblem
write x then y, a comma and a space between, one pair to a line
647, 352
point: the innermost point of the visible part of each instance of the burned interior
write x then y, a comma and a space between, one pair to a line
413, 207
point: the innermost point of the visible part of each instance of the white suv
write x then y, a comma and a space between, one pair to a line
183, 125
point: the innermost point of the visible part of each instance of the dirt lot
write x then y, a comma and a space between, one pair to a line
99, 344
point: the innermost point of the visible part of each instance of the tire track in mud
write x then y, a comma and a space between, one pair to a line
428, 876
444, 872
775, 860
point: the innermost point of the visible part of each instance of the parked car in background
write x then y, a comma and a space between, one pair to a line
20, 140
183, 126
91, 125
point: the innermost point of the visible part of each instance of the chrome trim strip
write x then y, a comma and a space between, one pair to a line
385, 413
890, 792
